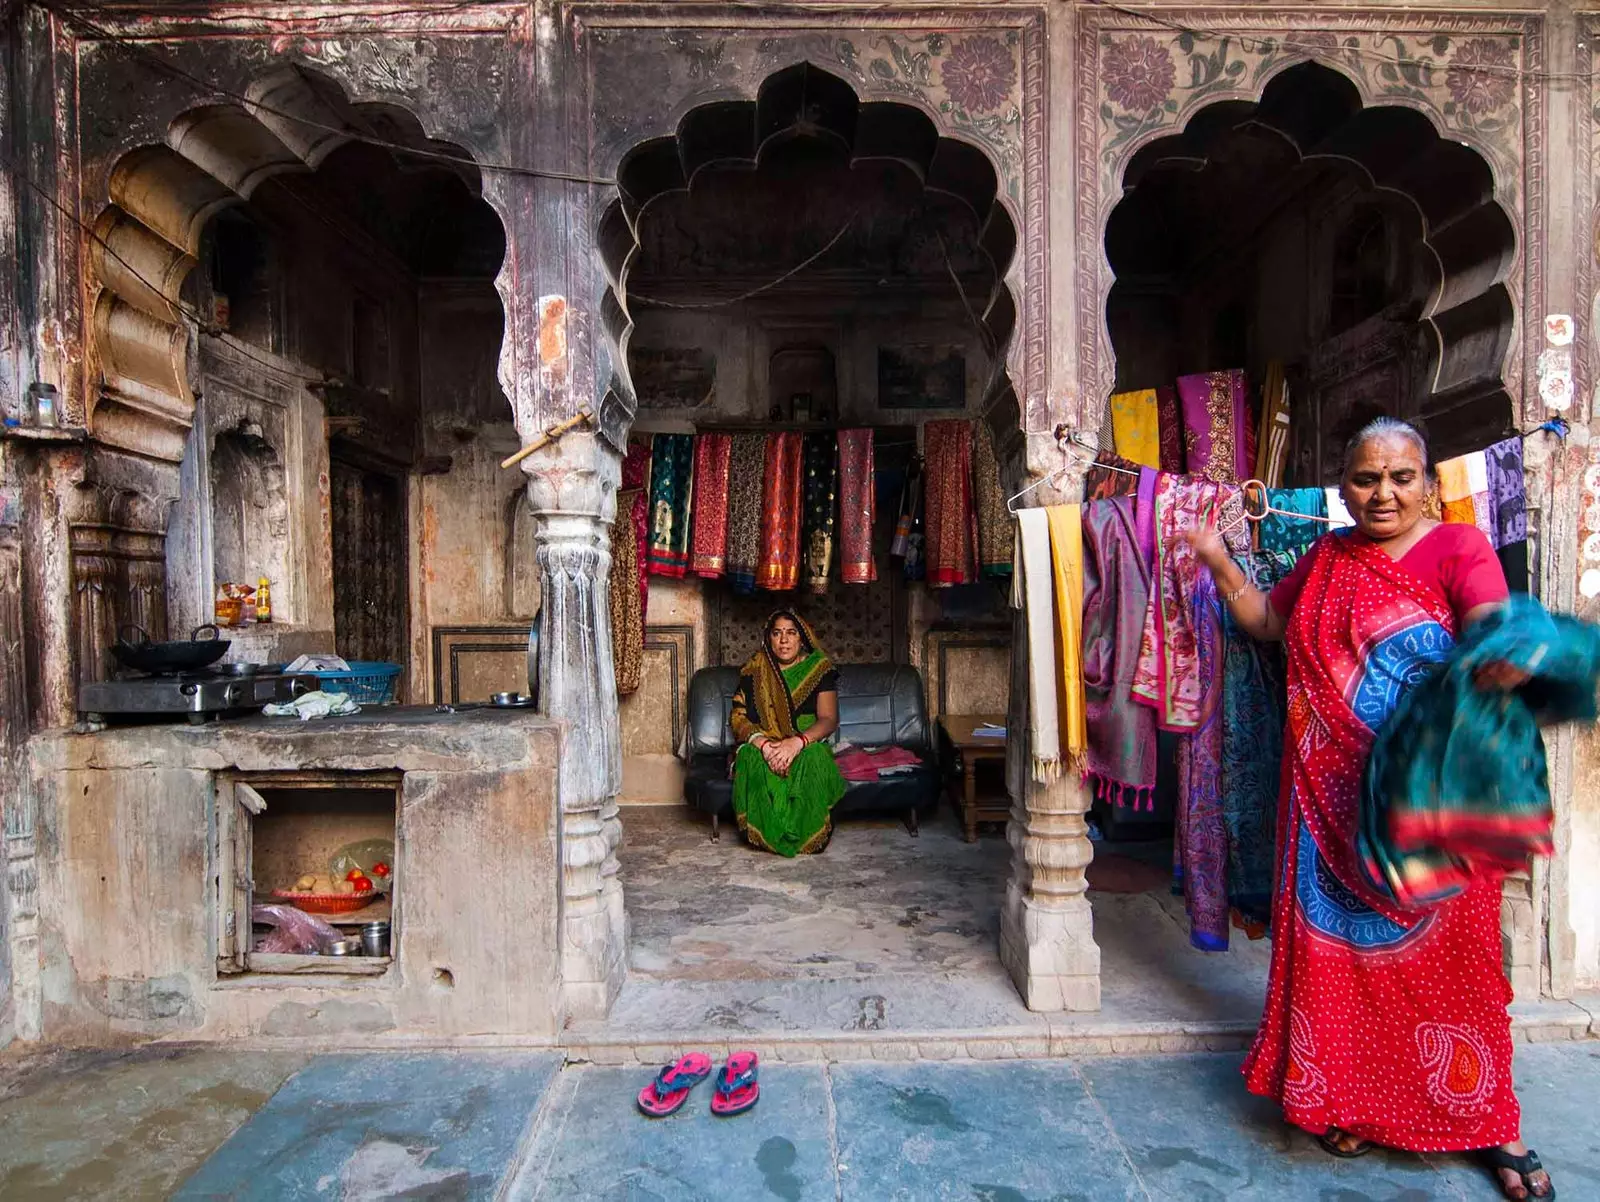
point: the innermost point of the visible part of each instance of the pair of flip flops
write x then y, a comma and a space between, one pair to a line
737, 1088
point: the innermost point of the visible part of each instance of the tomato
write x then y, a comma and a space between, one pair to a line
363, 885
355, 874
380, 869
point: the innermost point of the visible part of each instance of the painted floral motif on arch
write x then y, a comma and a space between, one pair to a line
1140, 79
1152, 80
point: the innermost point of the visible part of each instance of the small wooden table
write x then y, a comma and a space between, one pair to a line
972, 750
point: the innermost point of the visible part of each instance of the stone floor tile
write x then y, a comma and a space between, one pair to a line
593, 1144
995, 1132
376, 1125
1196, 1134
127, 1125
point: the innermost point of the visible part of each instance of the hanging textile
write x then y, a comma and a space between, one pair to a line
1169, 420
1216, 423
820, 463
1279, 533
1455, 491
779, 566
1116, 592
1482, 503
671, 484
947, 448
1508, 495
857, 507
1337, 510
627, 603
1272, 442
1033, 592
1168, 675
1136, 427
1066, 563
746, 473
994, 523
908, 532
1507, 492
1252, 746
636, 480
1110, 476
709, 548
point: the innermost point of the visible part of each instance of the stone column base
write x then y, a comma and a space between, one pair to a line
1050, 953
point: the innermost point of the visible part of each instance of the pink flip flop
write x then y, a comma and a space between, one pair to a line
737, 1089
670, 1090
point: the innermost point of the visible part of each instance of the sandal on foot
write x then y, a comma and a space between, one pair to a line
1495, 1159
1329, 1140
670, 1090
737, 1088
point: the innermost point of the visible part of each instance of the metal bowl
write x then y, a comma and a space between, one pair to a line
243, 669
509, 700
343, 947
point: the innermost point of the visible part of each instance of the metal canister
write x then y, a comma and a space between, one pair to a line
375, 938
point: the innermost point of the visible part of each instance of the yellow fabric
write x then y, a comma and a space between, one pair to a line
1066, 563
1135, 427
1454, 484
1463, 511
1272, 440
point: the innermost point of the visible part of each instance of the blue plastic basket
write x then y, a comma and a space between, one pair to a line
368, 682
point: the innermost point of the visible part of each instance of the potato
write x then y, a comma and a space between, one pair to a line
345, 887
306, 883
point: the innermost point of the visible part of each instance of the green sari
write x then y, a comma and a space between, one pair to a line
788, 815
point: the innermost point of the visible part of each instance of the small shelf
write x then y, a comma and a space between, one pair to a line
44, 433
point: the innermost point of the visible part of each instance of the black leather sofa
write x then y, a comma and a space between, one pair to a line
879, 705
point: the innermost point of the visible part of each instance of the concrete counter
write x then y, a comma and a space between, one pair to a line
129, 852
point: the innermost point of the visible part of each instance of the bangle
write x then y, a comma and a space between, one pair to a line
1231, 597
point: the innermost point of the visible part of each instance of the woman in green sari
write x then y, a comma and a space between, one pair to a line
785, 782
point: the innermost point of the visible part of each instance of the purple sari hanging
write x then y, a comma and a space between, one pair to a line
1116, 591
1217, 426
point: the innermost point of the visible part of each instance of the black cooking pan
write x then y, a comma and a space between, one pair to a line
144, 656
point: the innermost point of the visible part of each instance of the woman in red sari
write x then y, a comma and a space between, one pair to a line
1381, 1025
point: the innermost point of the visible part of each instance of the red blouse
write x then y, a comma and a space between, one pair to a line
1454, 559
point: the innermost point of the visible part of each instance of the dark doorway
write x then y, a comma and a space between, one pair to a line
370, 565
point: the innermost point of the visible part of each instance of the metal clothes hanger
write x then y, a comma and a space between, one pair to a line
1065, 437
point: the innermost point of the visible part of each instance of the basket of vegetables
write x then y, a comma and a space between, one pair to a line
317, 893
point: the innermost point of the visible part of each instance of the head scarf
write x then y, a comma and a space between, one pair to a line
780, 691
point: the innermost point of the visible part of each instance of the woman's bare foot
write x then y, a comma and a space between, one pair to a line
1337, 1142
1513, 1184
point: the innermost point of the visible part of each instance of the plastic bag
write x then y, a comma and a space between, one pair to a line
293, 930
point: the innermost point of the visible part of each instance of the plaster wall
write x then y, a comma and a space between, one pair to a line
128, 858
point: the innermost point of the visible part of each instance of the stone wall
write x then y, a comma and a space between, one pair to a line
128, 864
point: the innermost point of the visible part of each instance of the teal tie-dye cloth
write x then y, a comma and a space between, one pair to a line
1456, 785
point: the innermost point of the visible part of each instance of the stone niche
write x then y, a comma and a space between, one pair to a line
253, 503
145, 864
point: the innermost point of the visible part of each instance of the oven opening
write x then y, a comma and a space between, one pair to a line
309, 873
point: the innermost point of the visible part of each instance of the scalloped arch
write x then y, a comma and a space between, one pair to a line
147, 239
1321, 114
805, 101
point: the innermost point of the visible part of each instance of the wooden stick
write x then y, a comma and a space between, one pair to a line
548, 437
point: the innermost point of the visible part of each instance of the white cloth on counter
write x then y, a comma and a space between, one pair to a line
314, 705
317, 663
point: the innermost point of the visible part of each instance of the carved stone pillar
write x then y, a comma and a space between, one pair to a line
572, 489
1046, 927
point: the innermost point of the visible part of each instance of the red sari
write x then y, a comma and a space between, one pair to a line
1385, 1023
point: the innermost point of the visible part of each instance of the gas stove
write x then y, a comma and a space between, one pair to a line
198, 696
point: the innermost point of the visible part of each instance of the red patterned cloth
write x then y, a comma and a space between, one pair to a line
636, 480
1386, 1023
779, 568
951, 521
709, 550
857, 507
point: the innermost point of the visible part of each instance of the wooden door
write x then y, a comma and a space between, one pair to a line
370, 565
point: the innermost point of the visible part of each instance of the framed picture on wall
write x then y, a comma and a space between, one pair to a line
922, 377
